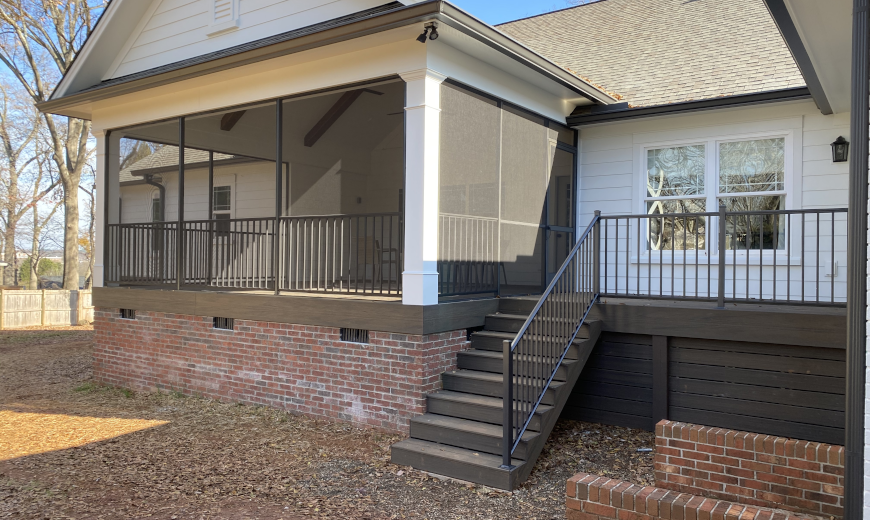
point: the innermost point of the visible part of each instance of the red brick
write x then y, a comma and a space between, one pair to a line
573, 514
599, 509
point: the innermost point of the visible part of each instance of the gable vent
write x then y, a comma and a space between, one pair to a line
224, 16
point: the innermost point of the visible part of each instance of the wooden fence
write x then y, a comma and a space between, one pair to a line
19, 309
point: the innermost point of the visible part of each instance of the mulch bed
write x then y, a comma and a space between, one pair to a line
73, 449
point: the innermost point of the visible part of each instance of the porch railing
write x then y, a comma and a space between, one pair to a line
142, 254
468, 255
795, 256
340, 253
532, 359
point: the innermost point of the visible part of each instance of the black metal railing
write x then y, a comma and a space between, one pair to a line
142, 254
794, 256
337, 253
342, 253
230, 253
533, 358
467, 255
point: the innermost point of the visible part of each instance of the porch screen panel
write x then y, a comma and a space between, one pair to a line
469, 192
230, 197
142, 221
342, 230
524, 177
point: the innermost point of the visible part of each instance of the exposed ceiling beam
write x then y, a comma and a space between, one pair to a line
333, 114
229, 120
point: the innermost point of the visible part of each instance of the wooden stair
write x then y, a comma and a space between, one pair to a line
461, 435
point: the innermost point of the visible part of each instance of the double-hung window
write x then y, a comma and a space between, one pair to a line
222, 201
747, 175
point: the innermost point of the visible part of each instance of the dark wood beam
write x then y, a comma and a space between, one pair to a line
334, 114
229, 120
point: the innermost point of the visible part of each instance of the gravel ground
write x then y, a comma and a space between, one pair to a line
72, 449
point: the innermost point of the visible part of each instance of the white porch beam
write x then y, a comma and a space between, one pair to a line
422, 136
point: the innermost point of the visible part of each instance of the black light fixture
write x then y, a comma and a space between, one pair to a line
422, 37
840, 149
427, 35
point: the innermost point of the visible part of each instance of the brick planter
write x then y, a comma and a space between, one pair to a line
303, 369
705, 473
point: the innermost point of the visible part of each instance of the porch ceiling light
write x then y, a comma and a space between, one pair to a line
840, 149
422, 37
426, 33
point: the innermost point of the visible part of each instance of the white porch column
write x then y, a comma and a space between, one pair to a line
107, 165
423, 126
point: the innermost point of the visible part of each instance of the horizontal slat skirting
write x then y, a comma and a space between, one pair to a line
626, 350
780, 412
760, 348
641, 381
766, 394
824, 384
831, 435
634, 366
805, 366
608, 417
590, 388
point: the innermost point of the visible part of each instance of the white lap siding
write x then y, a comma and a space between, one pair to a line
611, 179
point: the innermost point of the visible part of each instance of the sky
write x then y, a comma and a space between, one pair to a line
498, 11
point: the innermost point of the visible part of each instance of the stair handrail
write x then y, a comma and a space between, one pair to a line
579, 282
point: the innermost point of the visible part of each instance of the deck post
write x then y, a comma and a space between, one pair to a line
210, 246
596, 254
279, 175
660, 378
422, 143
179, 248
721, 295
507, 406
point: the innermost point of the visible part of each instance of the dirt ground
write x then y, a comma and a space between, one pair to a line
73, 449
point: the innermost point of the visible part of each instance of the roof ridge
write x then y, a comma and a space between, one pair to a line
551, 12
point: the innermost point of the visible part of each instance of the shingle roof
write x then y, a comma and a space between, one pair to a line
164, 157
654, 52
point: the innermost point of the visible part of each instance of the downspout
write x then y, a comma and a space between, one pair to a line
856, 315
149, 179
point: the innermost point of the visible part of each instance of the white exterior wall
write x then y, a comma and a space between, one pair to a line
612, 180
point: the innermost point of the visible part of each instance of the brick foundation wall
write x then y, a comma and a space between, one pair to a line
754, 469
591, 497
298, 368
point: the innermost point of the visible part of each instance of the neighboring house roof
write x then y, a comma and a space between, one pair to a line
166, 159
653, 52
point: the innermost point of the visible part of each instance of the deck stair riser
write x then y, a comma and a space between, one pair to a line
461, 435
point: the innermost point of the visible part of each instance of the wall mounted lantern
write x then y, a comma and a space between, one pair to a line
840, 149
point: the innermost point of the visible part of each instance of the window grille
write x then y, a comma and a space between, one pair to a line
355, 335
128, 314
224, 323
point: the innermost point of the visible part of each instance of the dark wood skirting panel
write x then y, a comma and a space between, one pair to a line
784, 390
385, 316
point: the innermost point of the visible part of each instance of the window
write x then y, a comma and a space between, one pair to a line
156, 210
222, 208
745, 175
224, 323
128, 314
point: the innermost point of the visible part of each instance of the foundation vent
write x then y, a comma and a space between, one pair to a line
355, 335
224, 323
128, 314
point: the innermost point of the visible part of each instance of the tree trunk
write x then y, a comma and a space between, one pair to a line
8, 277
33, 283
71, 233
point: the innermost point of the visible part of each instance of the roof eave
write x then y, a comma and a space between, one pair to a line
609, 116
422, 12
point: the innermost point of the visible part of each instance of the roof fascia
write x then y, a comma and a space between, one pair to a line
781, 16
432, 10
608, 116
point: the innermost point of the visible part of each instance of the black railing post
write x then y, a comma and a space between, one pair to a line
508, 406
179, 253
596, 253
722, 229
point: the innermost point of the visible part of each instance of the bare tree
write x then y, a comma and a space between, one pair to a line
88, 238
41, 224
22, 190
38, 41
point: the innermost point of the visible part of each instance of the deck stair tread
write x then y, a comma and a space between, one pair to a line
461, 436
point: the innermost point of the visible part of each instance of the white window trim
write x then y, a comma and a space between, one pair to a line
792, 192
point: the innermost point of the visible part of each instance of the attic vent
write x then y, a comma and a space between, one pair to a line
224, 323
355, 335
128, 314
224, 16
